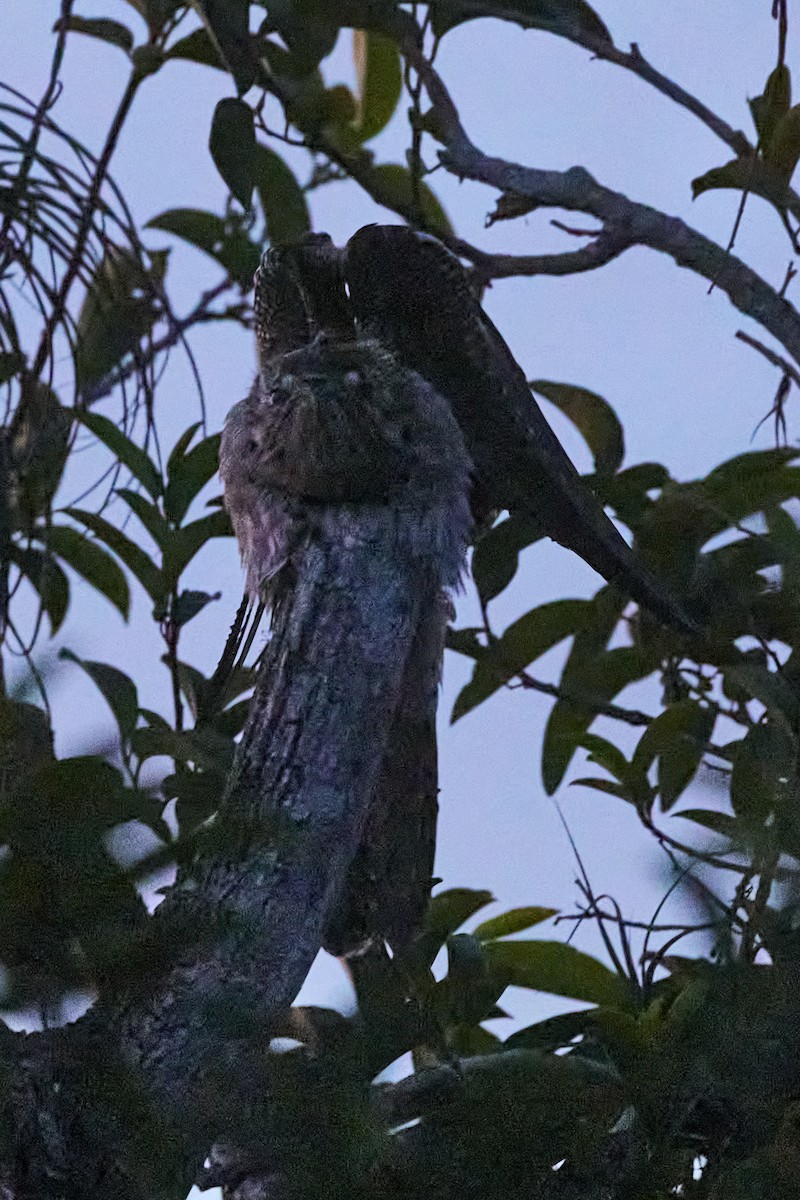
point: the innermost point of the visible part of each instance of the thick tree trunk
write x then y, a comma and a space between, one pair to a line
128, 1101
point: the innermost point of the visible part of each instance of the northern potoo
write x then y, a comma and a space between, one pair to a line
336, 433
410, 293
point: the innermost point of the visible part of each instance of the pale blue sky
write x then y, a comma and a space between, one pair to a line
641, 332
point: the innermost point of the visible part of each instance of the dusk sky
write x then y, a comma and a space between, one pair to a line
641, 332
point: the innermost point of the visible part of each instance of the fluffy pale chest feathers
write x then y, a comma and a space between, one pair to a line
339, 428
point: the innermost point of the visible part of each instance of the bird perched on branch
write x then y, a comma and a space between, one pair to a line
410, 293
337, 435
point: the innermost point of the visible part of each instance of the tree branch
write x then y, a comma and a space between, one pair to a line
638, 224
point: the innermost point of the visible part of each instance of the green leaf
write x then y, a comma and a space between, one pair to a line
717, 822
776, 100
188, 474
185, 543
593, 417
782, 152
496, 556
140, 465
559, 969
552, 1033
122, 303
148, 514
465, 641
227, 22
46, 577
572, 19
621, 790
589, 687
607, 755
380, 82
232, 143
103, 28
282, 199
391, 185
188, 604
784, 537
763, 764
134, 558
118, 690
523, 642
91, 562
197, 47
11, 364
513, 921
753, 175
677, 738
768, 687
232, 249
448, 910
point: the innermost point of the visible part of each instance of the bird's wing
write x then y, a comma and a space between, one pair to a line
411, 293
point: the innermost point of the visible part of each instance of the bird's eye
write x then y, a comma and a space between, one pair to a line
352, 378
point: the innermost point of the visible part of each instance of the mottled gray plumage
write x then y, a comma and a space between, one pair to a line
410, 293
336, 435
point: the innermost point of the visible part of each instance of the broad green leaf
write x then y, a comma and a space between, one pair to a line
197, 47
309, 33
140, 465
46, 577
717, 822
134, 558
523, 642
231, 248
552, 1033
784, 536
188, 604
232, 143
593, 417
588, 686
91, 562
753, 175
469, 992
121, 305
282, 199
181, 447
677, 738
148, 513
103, 28
572, 19
606, 755
185, 543
560, 969
768, 108
496, 556
227, 22
513, 921
768, 687
627, 491
204, 748
380, 82
188, 474
763, 764
117, 688
391, 185
381, 16
449, 910
38, 441
465, 641
782, 151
